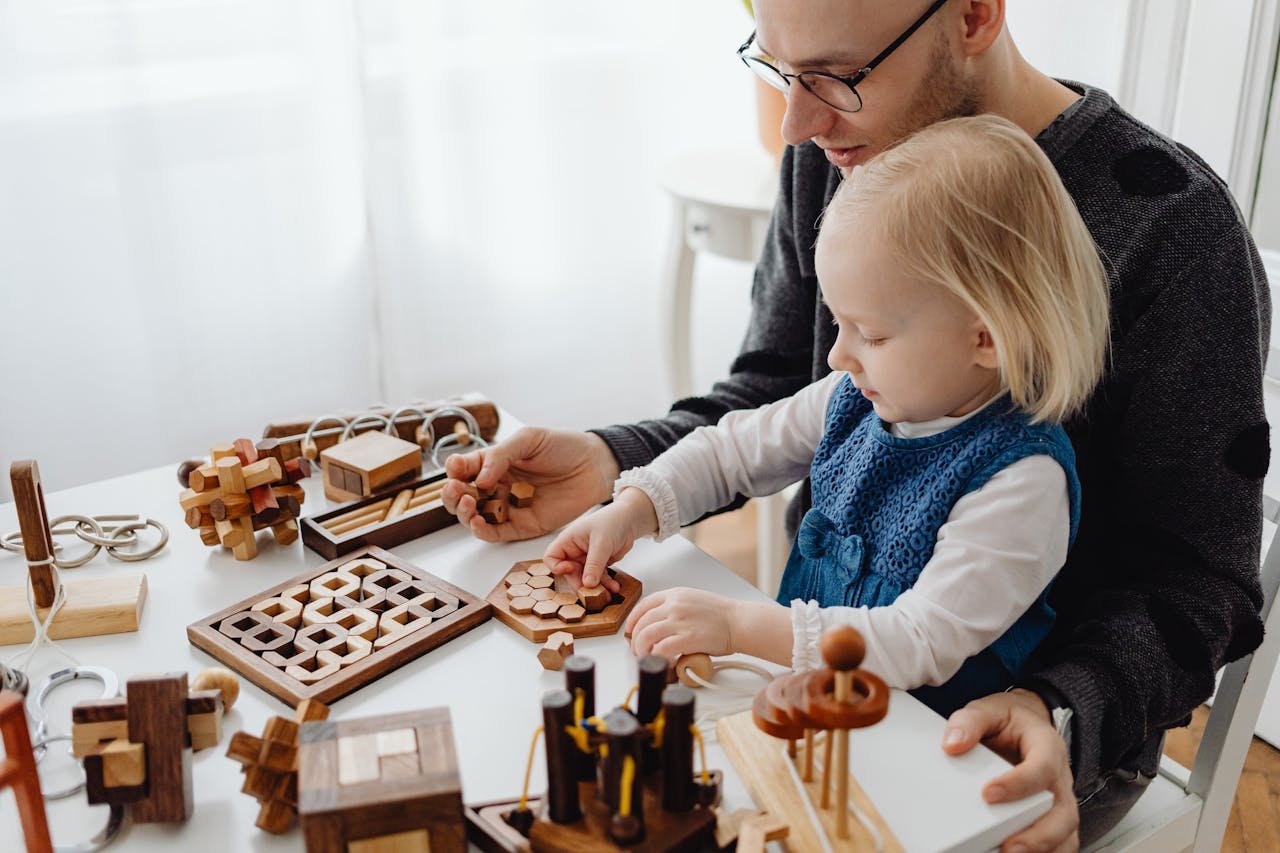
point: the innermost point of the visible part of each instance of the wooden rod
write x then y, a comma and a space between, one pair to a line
357, 512
33, 521
808, 755
826, 769
399, 505
844, 681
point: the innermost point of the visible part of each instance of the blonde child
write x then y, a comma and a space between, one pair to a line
972, 315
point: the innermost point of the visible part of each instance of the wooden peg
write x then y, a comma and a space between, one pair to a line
33, 521
843, 649
461, 432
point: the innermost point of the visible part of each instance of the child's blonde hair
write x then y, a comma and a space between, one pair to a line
973, 205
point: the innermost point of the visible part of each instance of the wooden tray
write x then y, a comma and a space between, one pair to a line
537, 628
388, 534
217, 634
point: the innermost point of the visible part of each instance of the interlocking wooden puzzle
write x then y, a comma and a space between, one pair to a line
381, 784
331, 630
532, 601
270, 765
246, 488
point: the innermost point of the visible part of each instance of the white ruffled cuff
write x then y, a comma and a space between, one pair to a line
806, 629
659, 492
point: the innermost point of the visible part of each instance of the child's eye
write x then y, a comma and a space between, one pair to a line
871, 342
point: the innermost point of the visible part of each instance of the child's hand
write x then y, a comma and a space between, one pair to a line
586, 547
683, 621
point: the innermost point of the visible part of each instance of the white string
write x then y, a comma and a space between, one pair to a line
729, 664
41, 634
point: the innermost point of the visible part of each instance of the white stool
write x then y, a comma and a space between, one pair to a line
723, 200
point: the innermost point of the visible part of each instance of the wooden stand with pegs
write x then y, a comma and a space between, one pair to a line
104, 605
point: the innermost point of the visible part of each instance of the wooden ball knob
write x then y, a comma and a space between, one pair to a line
699, 664
185, 469
222, 680
309, 449
842, 648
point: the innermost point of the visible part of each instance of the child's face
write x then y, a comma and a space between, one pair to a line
915, 350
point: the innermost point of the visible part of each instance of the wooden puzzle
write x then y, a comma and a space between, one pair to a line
554, 652
331, 630
367, 463
384, 521
18, 771
137, 750
270, 765
104, 605
805, 707
244, 489
626, 781
532, 601
292, 432
387, 783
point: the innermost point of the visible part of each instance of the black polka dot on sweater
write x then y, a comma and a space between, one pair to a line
1249, 453
1149, 171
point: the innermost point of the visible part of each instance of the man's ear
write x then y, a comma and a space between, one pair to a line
984, 353
983, 22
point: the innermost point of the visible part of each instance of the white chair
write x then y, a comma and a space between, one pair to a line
1189, 811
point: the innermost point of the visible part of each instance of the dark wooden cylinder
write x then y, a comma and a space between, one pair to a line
677, 749
623, 735
580, 674
562, 754
653, 680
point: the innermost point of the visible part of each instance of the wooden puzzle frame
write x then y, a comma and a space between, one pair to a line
388, 534
537, 628
205, 634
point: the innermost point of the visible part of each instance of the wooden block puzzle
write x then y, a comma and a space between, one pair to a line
528, 600
367, 463
270, 765
331, 630
244, 489
137, 750
18, 771
370, 521
558, 647
381, 784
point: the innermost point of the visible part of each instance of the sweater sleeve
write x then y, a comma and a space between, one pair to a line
983, 575
753, 453
777, 354
1162, 587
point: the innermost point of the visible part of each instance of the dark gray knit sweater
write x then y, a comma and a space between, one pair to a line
1161, 588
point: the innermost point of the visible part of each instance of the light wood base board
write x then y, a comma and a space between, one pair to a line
762, 761
110, 604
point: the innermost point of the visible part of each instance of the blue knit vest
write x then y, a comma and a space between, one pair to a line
879, 501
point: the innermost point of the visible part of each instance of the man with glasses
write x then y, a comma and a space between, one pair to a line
1162, 587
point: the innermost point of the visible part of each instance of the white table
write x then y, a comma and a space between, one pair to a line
489, 678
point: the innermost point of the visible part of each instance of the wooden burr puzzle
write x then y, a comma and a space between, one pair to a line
532, 601
270, 765
330, 630
137, 750
622, 782
792, 782
244, 489
386, 784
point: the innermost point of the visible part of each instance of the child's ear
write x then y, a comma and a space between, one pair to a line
984, 353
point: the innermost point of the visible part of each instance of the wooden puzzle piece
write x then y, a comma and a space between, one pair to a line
20, 774
270, 765
367, 463
521, 495
595, 598
493, 511
554, 651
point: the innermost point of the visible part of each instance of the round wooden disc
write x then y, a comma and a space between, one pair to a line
866, 706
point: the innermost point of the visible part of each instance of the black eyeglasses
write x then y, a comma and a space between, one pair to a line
838, 92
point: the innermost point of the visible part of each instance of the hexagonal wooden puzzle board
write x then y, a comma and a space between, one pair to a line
527, 600
331, 630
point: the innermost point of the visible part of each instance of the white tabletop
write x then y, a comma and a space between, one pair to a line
735, 177
489, 677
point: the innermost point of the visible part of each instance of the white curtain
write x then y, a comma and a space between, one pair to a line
215, 213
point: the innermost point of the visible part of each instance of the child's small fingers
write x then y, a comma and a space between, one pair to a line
649, 602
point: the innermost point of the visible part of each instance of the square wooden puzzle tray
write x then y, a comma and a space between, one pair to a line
424, 593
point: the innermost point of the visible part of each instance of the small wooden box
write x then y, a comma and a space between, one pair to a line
388, 534
381, 783
367, 463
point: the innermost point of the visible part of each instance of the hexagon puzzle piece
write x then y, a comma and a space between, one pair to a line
553, 652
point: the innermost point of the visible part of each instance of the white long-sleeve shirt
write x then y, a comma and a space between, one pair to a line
999, 548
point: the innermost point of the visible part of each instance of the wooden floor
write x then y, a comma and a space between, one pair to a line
1254, 826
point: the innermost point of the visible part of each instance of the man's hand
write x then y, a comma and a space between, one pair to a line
1017, 726
571, 472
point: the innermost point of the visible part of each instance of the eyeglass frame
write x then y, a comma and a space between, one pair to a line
851, 81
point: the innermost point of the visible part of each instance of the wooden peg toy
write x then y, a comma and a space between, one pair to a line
367, 463
18, 771
244, 489
270, 765
105, 605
